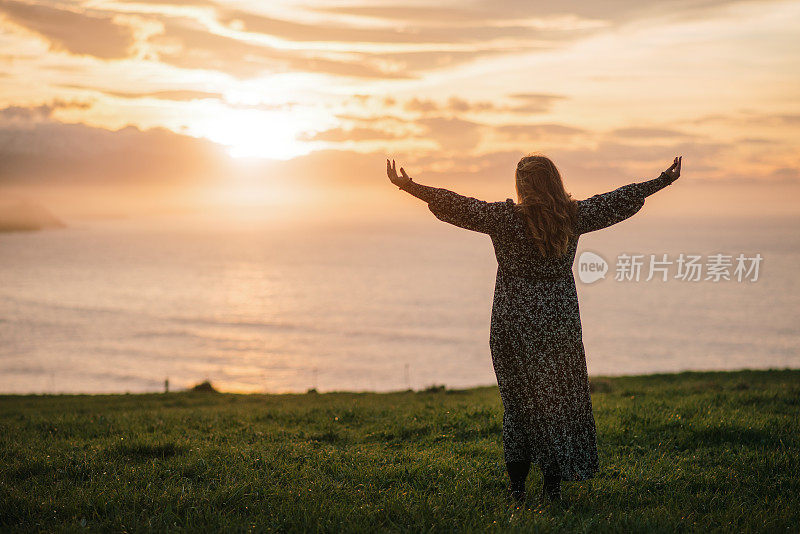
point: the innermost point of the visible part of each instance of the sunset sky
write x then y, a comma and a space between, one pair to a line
284, 103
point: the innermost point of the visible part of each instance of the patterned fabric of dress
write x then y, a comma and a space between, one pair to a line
535, 335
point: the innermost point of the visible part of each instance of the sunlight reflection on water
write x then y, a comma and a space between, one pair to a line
120, 306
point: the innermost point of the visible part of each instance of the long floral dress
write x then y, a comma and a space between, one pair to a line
535, 334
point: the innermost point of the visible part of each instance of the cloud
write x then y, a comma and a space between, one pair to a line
482, 12
568, 20
40, 112
453, 35
79, 33
421, 105
750, 118
461, 105
449, 133
190, 3
354, 134
612, 151
444, 42
533, 103
181, 95
453, 104
410, 40
758, 140
184, 95
37, 150
481, 30
298, 31
613, 162
788, 174
640, 133
452, 133
400, 63
399, 12
617, 12
372, 119
466, 170
538, 132
417, 62
54, 157
34, 148
187, 45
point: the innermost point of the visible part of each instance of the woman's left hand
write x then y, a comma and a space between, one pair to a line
674, 171
391, 171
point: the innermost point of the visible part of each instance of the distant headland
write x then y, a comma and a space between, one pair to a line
26, 216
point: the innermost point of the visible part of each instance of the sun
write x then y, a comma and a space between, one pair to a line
249, 133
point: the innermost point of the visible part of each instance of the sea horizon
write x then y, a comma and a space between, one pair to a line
255, 307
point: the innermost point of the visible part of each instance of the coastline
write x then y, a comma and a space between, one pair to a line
598, 380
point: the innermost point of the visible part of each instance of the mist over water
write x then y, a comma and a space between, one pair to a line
117, 306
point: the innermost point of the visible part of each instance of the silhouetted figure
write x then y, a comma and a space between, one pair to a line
535, 336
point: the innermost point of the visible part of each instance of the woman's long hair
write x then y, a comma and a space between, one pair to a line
549, 210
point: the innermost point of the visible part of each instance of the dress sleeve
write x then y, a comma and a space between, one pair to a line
465, 212
603, 210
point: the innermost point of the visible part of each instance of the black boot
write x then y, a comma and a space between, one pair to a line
551, 488
517, 473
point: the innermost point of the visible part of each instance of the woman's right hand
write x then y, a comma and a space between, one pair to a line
675, 170
391, 171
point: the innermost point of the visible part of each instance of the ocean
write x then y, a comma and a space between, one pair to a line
123, 305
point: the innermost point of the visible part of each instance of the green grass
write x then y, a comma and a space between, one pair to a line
678, 452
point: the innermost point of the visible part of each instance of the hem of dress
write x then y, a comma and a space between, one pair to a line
565, 476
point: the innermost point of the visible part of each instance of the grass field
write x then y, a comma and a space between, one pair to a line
678, 452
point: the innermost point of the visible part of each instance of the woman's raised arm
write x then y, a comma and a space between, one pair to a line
459, 210
603, 210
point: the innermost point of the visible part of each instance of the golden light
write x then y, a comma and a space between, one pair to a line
249, 133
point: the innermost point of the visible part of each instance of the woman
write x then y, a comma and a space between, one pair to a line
535, 334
